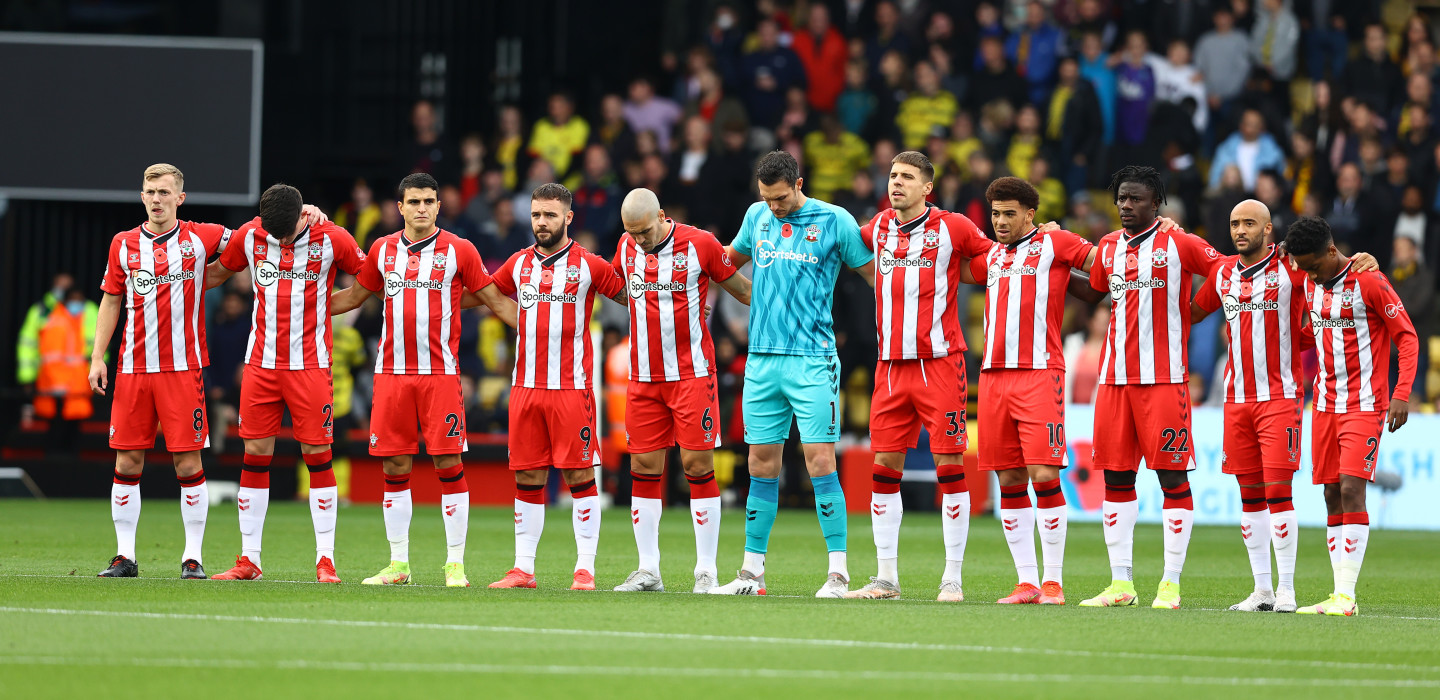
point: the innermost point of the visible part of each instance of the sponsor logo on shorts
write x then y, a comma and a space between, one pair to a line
267, 273
395, 283
1234, 307
1119, 284
766, 255
145, 281
889, 262
530, 296
1317, 321
374, 439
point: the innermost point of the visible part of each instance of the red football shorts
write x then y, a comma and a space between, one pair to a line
266, 393
173, 401
1150, 421
402, 401
1345, 443
553, 427
1263, 435
1022, 418
661, 414
909, 393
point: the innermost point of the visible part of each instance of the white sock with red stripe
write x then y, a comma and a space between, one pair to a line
1118, 513
1284, 534
529, 524
954, 517
1177, 516
252, 502
1354, 535
1255, 528
125, 511
455, 511
585, 512
194, 508
1018, 521
886, 513
646, 491
705, 513
1053, 524
324, 502
1332, 540
398, 509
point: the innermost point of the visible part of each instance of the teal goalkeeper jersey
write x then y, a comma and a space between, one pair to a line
797, 259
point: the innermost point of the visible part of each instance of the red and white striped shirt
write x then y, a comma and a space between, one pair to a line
1148, 278
1355, 317
917, 270
556, 295
290, 325
1264, 307
162, 277
1025, 298
669, 339
422, 282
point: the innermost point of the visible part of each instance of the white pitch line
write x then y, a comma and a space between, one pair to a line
728, 639
770, 596
728, 673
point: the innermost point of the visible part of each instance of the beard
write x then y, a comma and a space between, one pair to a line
548, 239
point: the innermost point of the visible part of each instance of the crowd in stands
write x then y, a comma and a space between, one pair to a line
1314, 107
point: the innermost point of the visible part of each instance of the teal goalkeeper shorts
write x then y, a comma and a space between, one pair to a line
778, 387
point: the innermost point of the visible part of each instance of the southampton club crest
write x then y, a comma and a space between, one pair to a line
1159, 258
680, 262
438, 261
572, 274
932, 239
187, 250
812, 233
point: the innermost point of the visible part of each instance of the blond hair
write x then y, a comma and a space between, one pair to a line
159, 170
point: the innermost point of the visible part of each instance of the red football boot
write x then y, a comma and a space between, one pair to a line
325, 571
244, 570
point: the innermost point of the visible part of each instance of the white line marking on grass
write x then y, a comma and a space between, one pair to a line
728, 639
728, 673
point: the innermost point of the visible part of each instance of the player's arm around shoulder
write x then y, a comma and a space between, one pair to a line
1207, 299
742, 248
853, 251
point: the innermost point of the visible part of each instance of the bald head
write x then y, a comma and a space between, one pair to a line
643, 218
1250, 230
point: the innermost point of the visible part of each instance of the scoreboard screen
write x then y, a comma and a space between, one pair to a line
85, 114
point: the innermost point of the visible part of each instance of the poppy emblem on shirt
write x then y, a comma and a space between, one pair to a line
1131, 261
680, 262
315, 253
160, 255
932, 239
413, 263
187, 249
546, 277
812, 233
785, 230
287, 254
1246, 288
572, 274
438, 262
1159, 258
651, 262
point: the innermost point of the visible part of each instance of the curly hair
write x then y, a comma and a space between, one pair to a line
1309, 234
1142, 175
1013, 189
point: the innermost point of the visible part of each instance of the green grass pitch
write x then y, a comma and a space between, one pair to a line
64, 633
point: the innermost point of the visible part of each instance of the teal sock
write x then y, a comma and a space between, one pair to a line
830, 507
760, 510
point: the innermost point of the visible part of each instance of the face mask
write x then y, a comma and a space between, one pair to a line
75, 307
725, 21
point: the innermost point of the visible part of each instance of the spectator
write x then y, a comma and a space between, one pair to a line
428, 151
28, 352
963, 143
1415, 285
1420, 60
926, 108
995, 79
1352, 218
881, 155
1095, 68
1270, 191
644, 111
361, 214
688, 161
1419, 92
1177, 80
724, 39
856, 104
997, 120
1229, 191
714, 106
1372, 77
539, 173
452, 215
887, 36
613, 132
768, 72
227, 335
1135, 88
1326, 44
1416, 31
1418, 140
560, 137
1092, 18
798, 119
1074, 129
1413, 224
481, 206
971, 198
1363, 123
987, 26
1035, 51
730, 171
1052, 193
597, 200
860, 199
509, 146
832, 157
472, 165
892, 89
1083, 351
505, 235
1223, 56
1326, 118
950, 81
1025, 143
1371, 162
822, 51
1251, 149
1274, 41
